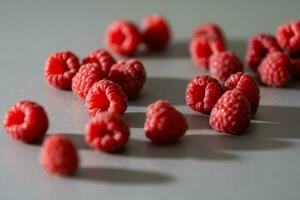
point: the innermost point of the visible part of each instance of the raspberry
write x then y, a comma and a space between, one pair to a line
122, 37
258, 48
288, 36
101, 57
26, 121
87, 75
106, 96
210, 30
59, 156
201, 48
296, 66
60, 68
231, 113
164, 124
156, 32
107, 131
223, 64
247, 85
130, 75
202, 93
274, 70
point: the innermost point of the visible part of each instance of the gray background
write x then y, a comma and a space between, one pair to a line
262, 164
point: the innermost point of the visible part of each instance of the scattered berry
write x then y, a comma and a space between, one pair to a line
288, 36
274, 70
26, 121
202, 93
224, 64
87, 75
130, 75
164, 124
106, 96
101, 57
155, 32
247, 85
59, 156
211, 30
107, 131
259, 46
201, 48
60, 68
231, 113
122, 37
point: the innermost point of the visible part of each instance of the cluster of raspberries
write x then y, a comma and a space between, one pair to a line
123, 36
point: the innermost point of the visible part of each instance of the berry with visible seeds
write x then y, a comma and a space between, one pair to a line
288, 36
247, 85
26, 121
274, 70
59, 156
155, 32
224, 64
107, 131
60, 68
130, 75
106, 96
101, 57
87, 75
259, 46
164, 124
210, 30
122, 37
202, 93
231, 113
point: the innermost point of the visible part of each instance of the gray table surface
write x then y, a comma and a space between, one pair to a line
262, 164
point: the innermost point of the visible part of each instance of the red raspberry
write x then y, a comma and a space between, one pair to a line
26, 121
247, 85
258, 48
59, 156
122, 37
107, 131
288, 36
224, 64
87, 75
156, 32
296, 66
231, 113
130, 75
201, 48
202, 93
106, 96
60, 68
210, 30
274, 69
164, 124
101, 57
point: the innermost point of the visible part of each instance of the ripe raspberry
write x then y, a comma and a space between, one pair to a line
201, 48
231, 113
60, 68
106, 96
210, 30
26, 121
107, 131
156, 32
87, 75
296, 66
101, 57
59, 156
247, 85
274, 70
288, 36
259, 46
122, 37
164, 124
224, 64
202, 93
130, 75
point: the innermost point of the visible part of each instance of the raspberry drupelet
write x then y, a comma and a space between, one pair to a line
288, 36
